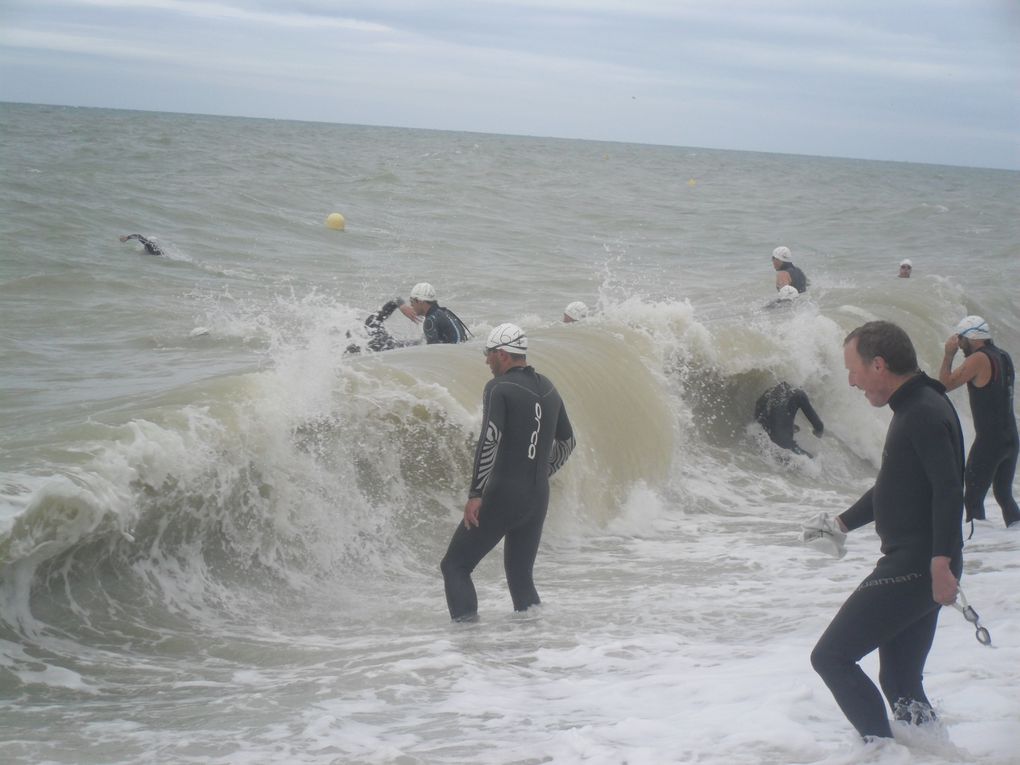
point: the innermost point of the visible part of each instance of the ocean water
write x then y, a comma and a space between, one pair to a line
220, 535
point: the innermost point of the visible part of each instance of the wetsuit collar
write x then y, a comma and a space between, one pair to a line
914, 383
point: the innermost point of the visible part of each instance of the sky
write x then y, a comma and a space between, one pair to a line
934, 81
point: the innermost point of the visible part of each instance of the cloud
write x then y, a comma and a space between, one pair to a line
766, 74
224, 12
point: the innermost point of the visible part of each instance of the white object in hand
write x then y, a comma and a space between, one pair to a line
823, 533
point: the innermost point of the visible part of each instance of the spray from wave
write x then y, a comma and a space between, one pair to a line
322, 467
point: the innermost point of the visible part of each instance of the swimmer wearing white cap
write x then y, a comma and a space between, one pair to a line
905, 268
575, 312
439, 324
786, 272
988, 372
525, 438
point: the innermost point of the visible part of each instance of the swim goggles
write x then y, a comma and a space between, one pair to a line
961, 605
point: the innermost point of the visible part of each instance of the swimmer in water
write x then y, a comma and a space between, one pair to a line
151, 248
776, 410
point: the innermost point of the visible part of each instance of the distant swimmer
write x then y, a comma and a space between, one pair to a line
575, 312
905, 268
786, 272
776, 410
989, 375
525, 438
440, 325
150, 247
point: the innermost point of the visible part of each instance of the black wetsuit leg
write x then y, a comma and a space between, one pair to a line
1002, 485
519, 552
901, 670
990, 465
892, 610
466, 550
523, 533
784, 437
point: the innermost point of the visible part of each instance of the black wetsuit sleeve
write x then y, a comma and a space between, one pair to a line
809, 411
493, 423
563, 442
934, 443
860, 513
383, 313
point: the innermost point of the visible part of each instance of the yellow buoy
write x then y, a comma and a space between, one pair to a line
335, 221
692, 182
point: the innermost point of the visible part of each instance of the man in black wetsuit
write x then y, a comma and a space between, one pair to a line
786, 272
916, 504
525, 438
989, 374
440, 325
776, 409
150, 247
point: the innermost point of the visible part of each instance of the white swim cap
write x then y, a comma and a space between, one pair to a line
576, 310
974, 328
508, 337
788, 292
906, 262
783, 254
423, 291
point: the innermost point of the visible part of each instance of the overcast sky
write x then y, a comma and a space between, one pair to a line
913, 80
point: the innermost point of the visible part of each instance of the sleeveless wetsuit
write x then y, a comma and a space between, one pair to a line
993, 455
776, 410
797, 278
441, 325
526, 437
916, 504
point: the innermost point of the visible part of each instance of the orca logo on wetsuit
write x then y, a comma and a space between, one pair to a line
534, 436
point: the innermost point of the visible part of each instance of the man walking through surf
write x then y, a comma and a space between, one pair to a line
526, 437
917, 507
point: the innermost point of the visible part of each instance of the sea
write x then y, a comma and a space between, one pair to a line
220, 532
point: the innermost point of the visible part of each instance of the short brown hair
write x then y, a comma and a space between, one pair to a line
888, 340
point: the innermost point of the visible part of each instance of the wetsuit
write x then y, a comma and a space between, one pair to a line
916, 504
150, 247
993, 455
441, 325
776, 409
797, 278
526, 437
